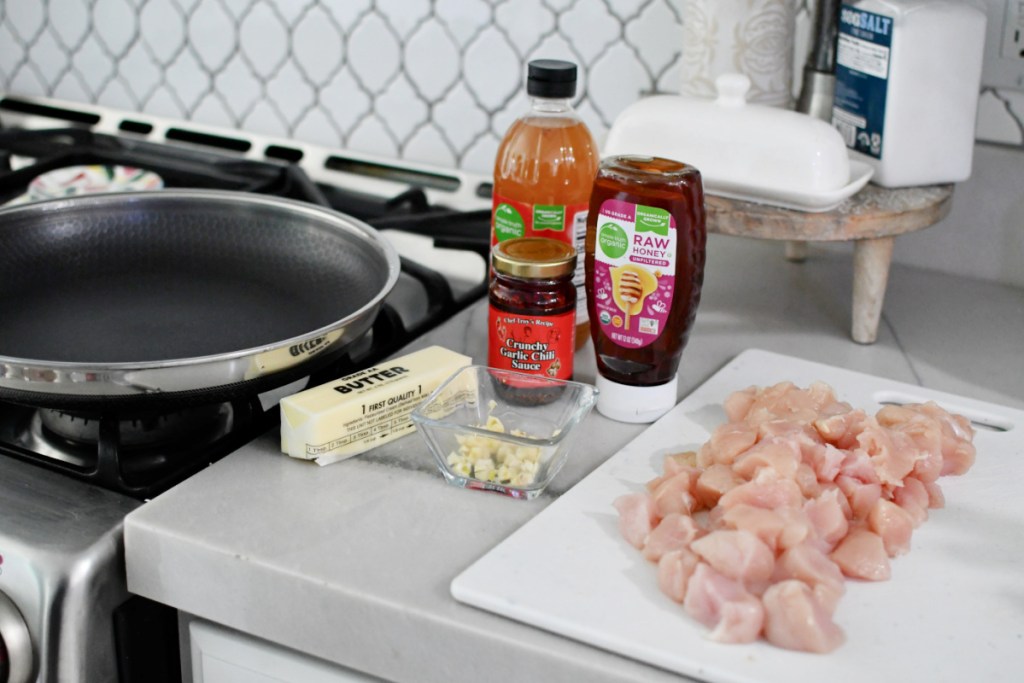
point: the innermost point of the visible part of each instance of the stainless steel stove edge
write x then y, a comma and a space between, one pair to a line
63, 569
455, 188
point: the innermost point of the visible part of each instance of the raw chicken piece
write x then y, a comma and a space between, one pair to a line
806, 563
675, 531
675, 494
936, 499
636, 517
825, 460
861, 555
928, 467
893, 524
804, 438
794, 619
953, 426
913, 497
725, 443
653, 484
765, 491
924, 431
957, 458
713, 483
738, 555
862, 497
903, 416
778, 529
954, 434
857, 464
715, 519
677, 462
958, 452
741, 621
784, 401
774, 453
841, 429
913, 489
674, 571
807, 480
738, 404
828, 519
892, 454
718, 602
840, 497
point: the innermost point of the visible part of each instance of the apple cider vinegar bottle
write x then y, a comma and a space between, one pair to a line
544, 170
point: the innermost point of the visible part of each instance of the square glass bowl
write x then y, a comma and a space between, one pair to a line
502, 431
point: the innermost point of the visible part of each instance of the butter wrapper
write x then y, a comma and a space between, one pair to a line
368, 408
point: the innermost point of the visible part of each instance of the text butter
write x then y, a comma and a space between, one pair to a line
351, 415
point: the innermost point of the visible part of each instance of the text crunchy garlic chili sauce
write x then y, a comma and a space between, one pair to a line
532, 316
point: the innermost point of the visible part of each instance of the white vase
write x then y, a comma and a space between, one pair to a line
751, 37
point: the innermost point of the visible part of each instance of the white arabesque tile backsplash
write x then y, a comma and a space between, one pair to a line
434, 81
431, 81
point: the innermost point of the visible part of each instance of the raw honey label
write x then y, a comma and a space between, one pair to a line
536, 344
634, 271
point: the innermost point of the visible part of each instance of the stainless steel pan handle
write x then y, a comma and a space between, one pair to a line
17, 666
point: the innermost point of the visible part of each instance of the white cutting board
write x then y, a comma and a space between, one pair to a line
953, 610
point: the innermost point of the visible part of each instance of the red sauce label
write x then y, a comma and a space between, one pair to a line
536, 344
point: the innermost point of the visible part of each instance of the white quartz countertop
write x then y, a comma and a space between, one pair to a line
352, 562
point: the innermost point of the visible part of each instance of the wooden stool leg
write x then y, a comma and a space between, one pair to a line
871, 259
796, 251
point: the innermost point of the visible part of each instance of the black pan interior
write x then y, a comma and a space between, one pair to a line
166, 278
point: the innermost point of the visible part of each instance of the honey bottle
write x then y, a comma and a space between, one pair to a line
544, 171
644, 262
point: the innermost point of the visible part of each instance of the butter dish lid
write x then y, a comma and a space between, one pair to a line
747, 151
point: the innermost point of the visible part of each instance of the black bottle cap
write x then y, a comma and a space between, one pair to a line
551, 78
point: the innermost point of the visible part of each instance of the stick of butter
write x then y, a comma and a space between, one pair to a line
351, 415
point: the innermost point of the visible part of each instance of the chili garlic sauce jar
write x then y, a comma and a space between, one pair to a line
532, 319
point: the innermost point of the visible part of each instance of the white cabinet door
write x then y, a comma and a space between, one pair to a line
221, 655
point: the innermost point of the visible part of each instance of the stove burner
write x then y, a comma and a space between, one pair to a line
141, 455
135, 432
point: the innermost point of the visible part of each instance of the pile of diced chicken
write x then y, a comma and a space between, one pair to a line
755, 533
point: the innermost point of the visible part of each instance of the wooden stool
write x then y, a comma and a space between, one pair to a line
871, 219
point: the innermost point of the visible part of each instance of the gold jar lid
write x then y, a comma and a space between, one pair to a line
533, 258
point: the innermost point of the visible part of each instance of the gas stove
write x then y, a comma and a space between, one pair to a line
436, 219
68, 475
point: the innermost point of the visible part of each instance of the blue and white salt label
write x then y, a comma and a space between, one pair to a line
863, 51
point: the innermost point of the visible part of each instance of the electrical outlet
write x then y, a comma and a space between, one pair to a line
1013, 31
1004, 45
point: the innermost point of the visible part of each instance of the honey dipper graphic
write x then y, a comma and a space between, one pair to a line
631, 291
632, 284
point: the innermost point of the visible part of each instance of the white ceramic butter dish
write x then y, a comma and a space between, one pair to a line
744, 151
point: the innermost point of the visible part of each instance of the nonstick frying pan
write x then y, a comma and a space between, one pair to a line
131, 299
